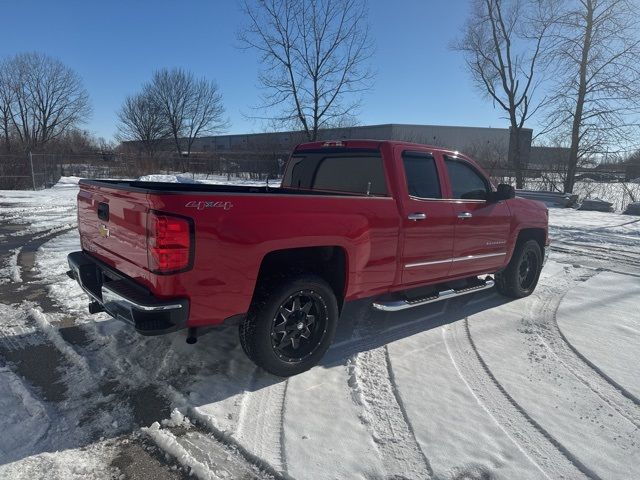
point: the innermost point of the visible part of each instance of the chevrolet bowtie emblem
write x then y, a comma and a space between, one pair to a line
103, 231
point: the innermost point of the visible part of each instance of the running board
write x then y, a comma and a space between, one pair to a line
396, 305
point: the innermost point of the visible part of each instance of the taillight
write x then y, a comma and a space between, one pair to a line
169, 242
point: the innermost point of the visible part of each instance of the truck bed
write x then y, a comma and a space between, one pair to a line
166, 187
234, 228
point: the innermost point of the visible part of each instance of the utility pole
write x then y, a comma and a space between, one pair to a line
33, 177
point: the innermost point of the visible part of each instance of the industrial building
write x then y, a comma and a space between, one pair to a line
477, 141
266, 153
483, 143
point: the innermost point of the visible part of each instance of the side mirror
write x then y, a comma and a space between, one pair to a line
504, 192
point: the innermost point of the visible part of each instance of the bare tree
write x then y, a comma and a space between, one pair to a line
502, 47
46, 98
6, 99
596, 92
493, 156
315, 55
141, 120
190, 107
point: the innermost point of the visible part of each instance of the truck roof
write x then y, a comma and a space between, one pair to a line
365, 143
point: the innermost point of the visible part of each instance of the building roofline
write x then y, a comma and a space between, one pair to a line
444, 126
378, 125
355, 127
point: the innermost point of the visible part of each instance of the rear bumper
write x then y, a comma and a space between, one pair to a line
125, 299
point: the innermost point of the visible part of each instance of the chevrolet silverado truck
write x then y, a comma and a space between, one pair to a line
399, 223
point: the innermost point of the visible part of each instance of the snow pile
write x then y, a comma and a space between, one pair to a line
15, 331
166, 441
596, 204
51, 264
177, 419
167, 178
24, 420
10, 272
207, 179
64, 181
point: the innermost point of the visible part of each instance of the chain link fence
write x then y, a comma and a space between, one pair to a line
42, 170
27, 171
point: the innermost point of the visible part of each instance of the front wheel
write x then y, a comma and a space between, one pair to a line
521, 276
290, 325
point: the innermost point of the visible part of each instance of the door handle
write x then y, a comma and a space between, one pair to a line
417, 216
465, 215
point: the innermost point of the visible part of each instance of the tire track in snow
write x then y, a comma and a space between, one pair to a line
375, 392
371, 338
42, 316
618, 388
551, 458
48, 328
221, 441
405, 416
23, 270
261, 420
33, 345
543, 319
599, 255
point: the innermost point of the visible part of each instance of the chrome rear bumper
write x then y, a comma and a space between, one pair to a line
125, 299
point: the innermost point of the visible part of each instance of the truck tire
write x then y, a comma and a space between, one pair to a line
521, 276
290, 324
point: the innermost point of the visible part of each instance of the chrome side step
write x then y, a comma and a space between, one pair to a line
396, 305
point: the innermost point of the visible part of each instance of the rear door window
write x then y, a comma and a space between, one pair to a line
422, 175
349, 172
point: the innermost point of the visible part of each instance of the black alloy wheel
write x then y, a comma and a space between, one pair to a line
299, 326
520, 277
290, 324
528, 269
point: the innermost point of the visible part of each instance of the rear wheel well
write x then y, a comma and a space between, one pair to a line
329, 263
537, 234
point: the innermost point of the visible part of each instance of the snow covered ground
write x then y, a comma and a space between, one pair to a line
211, 179
620, 194
472, 388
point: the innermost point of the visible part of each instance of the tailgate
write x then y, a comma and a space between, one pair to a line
113, 223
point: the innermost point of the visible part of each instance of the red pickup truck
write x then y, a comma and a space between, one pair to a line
401, 223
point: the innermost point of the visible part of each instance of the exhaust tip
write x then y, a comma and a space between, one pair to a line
192, 336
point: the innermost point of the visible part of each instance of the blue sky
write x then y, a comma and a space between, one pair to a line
115, 45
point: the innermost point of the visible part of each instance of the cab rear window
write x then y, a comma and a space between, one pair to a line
358, 172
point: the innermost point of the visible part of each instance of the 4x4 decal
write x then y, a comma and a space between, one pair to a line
201, 205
